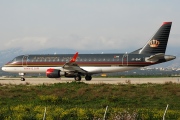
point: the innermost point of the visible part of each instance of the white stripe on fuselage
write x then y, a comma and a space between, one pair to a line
92, 70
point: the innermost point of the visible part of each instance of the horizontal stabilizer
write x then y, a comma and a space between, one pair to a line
156, 57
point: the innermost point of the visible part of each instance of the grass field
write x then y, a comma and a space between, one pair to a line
77, 100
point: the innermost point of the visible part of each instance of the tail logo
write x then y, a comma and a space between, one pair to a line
154, 43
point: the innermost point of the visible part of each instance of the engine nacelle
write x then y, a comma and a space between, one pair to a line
54, 73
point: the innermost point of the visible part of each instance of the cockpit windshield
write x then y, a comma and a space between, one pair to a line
14, 60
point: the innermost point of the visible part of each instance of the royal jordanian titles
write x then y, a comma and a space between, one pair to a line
78, 65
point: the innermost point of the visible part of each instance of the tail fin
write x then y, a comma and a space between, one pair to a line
158, 43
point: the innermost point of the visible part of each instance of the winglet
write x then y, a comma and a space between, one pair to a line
74, 57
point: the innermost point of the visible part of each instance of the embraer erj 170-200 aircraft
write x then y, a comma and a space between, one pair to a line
75, 66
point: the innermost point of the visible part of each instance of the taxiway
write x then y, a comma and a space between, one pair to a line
36, 81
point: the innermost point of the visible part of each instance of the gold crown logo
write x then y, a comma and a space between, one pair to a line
154, 43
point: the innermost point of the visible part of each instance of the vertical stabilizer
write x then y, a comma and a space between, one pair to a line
158, 43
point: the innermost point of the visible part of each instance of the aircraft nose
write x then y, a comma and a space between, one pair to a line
3, 69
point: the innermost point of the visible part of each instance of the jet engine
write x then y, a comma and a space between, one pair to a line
54, 73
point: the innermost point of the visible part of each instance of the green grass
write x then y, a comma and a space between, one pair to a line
88, 101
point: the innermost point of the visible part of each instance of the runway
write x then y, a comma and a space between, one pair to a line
37, 81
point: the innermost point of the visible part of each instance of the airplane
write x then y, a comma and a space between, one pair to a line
78, 65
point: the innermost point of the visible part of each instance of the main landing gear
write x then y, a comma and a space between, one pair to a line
87, 78
77, 78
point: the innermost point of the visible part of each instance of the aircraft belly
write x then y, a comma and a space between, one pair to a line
107, 69
92, 69
116, 69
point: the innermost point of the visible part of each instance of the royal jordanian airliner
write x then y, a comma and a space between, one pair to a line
77, 65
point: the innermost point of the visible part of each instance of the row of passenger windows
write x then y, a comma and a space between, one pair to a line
66, 60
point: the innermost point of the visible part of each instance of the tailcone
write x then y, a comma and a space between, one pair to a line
169, 57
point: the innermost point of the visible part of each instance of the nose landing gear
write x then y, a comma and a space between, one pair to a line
22, 76
22, 79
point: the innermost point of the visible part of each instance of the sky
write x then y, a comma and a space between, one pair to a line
85, 24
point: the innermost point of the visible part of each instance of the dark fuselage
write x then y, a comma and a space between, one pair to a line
57, 60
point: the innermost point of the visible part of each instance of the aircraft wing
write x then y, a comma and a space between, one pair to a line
73, 66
